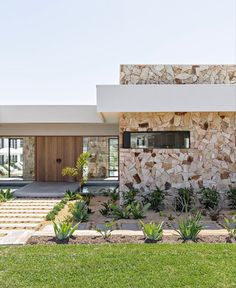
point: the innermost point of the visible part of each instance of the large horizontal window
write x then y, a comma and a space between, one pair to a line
157, 139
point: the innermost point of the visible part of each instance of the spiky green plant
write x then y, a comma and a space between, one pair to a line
137, 210
190, 228
80, 168
64, 230
120, 212
106, 231
232, 198
80, 211
6, 195
152, 231
230, 226
155, 198
106, 210
184, 200
130, 196
210, 198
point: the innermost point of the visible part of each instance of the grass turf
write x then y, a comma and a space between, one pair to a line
164, 265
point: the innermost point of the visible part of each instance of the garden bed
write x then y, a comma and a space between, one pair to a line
116, 239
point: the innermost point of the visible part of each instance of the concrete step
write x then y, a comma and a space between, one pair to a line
20, 215
18, 225
33, 201
27, 205
2, 208
24, 211
21, 220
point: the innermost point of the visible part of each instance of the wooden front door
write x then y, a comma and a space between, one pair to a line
54, 153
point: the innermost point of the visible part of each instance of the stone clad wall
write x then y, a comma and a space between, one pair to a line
98, 163
209, 162
211, 159
28, 158
177, 74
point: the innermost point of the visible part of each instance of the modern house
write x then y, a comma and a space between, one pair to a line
176, 126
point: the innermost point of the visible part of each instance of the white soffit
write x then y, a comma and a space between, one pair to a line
50, 114
166, 98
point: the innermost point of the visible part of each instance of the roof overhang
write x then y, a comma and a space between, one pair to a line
50, 114
166, 98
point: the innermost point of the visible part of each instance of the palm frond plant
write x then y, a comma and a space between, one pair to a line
64, 230
80, 170
232, 198
106, 231
155, 198
230, 226
137, 210
189, 228
210, 198
153, 232
6, 195
130, 196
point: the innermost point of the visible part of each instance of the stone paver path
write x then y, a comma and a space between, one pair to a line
19, 218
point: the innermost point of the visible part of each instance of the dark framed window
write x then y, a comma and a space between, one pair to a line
157, 139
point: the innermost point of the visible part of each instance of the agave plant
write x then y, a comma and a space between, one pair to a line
80, 211
64, 230
106, 231
6, 195
120, 213
72, 195
190, 228
137, 210
230, 226
152, 232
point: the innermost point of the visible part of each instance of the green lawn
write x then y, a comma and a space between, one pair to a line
163, 265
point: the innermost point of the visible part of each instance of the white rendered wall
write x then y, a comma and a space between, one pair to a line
166, 98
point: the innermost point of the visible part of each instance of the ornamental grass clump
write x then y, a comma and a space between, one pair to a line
80, 211
106, 231
64, 230
230, 226
153, 232
137, 210
6, 195
190, 228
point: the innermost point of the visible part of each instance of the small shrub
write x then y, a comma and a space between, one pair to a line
106, 231
50, 216
155, 198
210, 198
64, 230
232, 198
130, 196
137, 210
120, 213
113, 194
6, 195
72, 195
106, 211
214, 214
184, 200
230, 226
80, 211
190, 228
152, 232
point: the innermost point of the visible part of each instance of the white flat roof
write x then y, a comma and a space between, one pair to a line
166, 98
50, 114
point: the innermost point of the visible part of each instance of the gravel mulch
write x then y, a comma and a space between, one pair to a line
120, 239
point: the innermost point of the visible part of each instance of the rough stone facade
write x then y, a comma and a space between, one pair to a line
28, 158
177, 74
210, 161
98, 163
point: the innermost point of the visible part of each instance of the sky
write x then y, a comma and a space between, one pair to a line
57, 51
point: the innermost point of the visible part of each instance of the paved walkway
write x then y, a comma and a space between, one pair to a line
20, 218
46, 189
